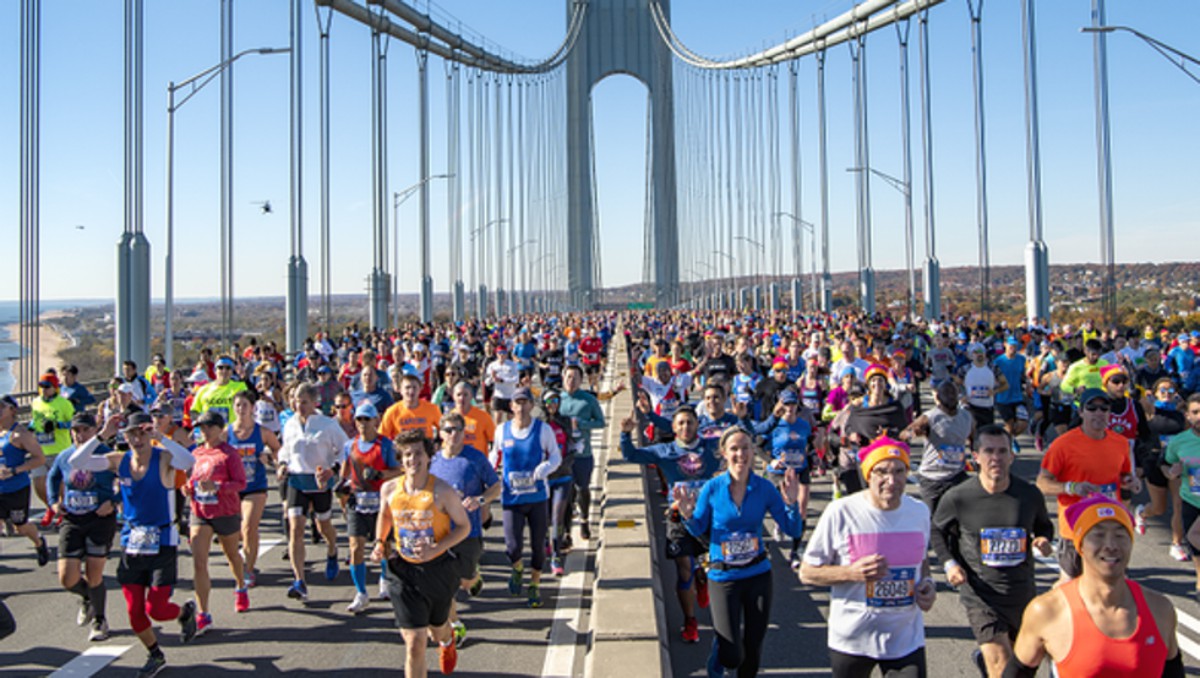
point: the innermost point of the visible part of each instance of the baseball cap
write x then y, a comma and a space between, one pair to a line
365, 410
83, 419
1012, 341
48, 379
211, 418
1091, 394
224, 362
976, 348
324, 369
788, 397
138, 420
127, 387
522, 394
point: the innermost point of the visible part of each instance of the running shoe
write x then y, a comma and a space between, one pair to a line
476, 587
251, 579
1139, 518
99, 631
58, 518
691, 631
155, 663
460, 632
85, 612
566, 543
47, 519
1180, 552
360, 603
187, 623
298, 590
204, 622
794, 561
241, 600
383, 588
556, 566
447, 658
331, 567
43, 553
514, 581
535, 598
701, 588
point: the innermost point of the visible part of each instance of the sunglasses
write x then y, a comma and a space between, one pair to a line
1166, 390
1098, 408
362, 419
224, 367
1119, 380
451, 430
342, 407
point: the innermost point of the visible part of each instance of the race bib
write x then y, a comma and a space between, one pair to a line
366, 502
250, 464
143, 541
204, 498
951, 456
795, 458
1002, 546
980, 392
898, 589
79, 503
1109, 490
1193, 474
410, 539
739, 548
45, 438
521, 483
692, 487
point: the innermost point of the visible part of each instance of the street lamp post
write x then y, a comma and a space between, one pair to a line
1180, 60
195, 83
905, 189
524, 283
398, 199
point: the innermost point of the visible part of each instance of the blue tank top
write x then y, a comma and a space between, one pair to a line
790, 443
521, 458
84, 491
249, 449
148, 507
12, 457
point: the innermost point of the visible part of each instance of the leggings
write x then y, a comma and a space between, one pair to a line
911, 665
143, 607
741, 609
560, 506
582, 470
515, 517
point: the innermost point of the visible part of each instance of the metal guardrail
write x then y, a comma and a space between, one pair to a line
25, 398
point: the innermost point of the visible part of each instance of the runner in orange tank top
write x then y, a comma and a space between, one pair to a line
427, 519
1100, 624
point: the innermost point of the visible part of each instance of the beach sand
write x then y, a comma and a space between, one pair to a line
51, 340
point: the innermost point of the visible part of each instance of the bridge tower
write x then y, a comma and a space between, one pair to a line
619, 36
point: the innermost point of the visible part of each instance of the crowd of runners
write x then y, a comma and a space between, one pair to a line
414, 442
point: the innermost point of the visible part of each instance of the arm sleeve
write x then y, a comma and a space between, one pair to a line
552, 452
763, 427
657, 421
637, 455
83, 458
54, 480
181, 458
943, 532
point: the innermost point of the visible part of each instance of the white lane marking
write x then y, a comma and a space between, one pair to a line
564, 628
267, 545
90, 662
1186, 644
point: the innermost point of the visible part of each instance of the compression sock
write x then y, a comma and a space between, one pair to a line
358, 575
97, 596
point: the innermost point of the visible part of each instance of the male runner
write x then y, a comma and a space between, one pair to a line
370, 462
1101, 624
19, 454
410, 413
88, 500
1182, 460
870, 547
50, 421
149, 538
983, 531
584, 410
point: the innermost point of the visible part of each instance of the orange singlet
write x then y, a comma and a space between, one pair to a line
1094, 654
417, 519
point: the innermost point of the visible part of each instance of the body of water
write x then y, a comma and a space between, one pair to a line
10, 312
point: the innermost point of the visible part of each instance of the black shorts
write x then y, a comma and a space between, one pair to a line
361, 524
251, 493
299, 503
681, 543
1189, 515
468, 553
982, 415
990, 623
87, 535
1151, 466
1060, 415
501, 404
14, 506
1068, 558
222, 525
153, 571
1013, 411
591, 369
421, 594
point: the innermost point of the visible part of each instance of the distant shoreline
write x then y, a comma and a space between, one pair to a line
52, 339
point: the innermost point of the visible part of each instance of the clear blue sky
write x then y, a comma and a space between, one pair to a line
1154, 108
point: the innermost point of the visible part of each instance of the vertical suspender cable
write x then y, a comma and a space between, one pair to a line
976, 10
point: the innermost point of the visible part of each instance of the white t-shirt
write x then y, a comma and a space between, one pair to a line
319, 442
875, 619
979, 382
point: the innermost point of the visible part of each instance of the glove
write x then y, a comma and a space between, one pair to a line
48, 426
